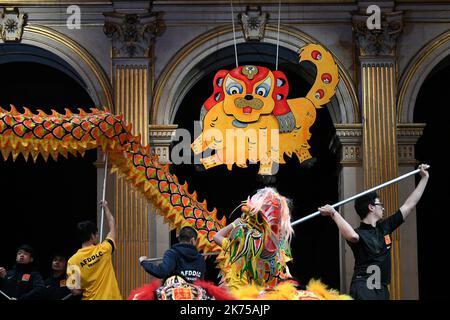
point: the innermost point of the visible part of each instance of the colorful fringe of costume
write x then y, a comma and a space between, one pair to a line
257, 251
287, 290
177, 288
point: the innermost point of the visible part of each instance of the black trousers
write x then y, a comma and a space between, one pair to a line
360, 291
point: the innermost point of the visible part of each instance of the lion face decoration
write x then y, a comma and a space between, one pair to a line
249, 92
251, 102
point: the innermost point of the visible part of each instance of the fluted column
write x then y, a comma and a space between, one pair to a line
378, 78
132, 38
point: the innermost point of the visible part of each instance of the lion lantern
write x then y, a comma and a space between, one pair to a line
249, 118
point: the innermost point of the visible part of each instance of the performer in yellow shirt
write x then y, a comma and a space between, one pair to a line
90, 270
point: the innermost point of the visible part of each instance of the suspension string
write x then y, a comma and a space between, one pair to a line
234, 34
278, 34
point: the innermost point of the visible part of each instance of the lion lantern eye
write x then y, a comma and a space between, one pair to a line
261, 92
233, 87
264, 88
234, 90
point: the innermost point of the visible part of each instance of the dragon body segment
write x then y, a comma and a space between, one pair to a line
60, 134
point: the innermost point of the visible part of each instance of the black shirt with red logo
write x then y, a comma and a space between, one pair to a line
56, 289
23, 283
374, 248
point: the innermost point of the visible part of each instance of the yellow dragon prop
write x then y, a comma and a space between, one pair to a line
51, 135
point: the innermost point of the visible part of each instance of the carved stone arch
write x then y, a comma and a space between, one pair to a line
179, 76
86, 69
417, 72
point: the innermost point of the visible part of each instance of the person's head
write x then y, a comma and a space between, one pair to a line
24, 254
88, 232
369, 204
59, 263
188, 235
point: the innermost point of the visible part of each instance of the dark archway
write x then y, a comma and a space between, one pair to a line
42, 202
316, 243
433, 108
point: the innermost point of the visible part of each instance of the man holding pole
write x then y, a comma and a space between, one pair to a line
90, 270
371, 242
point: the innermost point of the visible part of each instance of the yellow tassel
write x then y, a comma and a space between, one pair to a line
320, 289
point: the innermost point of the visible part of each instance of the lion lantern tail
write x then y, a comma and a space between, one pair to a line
327, 78
304, 108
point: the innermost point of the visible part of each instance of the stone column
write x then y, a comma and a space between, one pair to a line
407, 136
348, 141
378, 78
160, 139
132, 36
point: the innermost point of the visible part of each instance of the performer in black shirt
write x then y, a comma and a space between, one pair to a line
55, 285
371, 242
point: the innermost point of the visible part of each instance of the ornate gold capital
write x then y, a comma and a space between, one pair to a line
132, 35
378, 42
253, 23
12, 23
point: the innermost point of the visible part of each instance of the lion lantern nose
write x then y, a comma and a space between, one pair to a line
248, 97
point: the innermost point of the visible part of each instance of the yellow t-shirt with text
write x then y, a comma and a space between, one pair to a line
91, 270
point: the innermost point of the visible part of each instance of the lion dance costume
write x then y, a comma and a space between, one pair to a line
253, 261
256, 252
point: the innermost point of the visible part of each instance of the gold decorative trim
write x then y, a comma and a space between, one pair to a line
83, 55
380, 146
131, 96
220, 31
